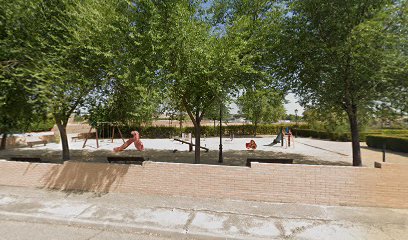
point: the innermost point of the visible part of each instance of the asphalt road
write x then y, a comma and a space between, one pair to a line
20, 230
27, 213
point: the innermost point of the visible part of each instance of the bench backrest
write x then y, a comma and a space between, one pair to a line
137, 160
25, 159
269, 160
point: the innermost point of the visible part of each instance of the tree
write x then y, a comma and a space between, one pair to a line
335, 55
213, 112
262, 105
199, 66
253, 27
67, 49
136, 91
385, 114
80, 48
21, 98
396, 71
126, 101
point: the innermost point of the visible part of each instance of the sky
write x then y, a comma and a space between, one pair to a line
292, 105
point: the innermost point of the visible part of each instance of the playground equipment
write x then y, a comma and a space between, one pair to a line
231, 136
277, 140
251, 145
135, 139
186, 137
289, 138
104, 128
280, 138
191, 145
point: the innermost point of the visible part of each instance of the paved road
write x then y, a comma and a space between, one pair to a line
42, 214
22, 230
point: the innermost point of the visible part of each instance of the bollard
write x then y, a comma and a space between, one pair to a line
383, 151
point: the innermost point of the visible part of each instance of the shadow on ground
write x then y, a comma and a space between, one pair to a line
231, 158
99, 178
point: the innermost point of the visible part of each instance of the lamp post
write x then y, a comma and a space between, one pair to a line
296, 116
220, 158
296, 119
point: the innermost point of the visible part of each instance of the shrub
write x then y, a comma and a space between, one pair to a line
392, 142
41, 126
167, 132
150, 132
343, 136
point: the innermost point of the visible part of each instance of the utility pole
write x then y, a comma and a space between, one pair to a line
296, 117
220, 158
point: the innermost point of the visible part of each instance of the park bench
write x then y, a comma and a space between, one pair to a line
269, 160
126, 160
26, 159
32, 143
191, 145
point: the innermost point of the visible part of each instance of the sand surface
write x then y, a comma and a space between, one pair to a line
303, 151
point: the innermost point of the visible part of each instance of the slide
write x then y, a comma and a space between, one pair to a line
136, 140
276, 140
251, 145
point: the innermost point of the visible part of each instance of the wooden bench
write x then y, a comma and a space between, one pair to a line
26, 159
191, 145
126, 160
32, 143
74, 139
269, 160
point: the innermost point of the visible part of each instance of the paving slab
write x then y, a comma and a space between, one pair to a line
184, 217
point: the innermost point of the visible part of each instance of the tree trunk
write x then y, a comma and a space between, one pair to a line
3, 141
197, 128
355, 138
256, 126
64, 139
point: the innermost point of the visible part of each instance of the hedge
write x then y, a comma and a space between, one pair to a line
209, 131
248, 130
397, 143
346, 136
42, 126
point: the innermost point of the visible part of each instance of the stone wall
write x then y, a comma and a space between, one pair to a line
383, 186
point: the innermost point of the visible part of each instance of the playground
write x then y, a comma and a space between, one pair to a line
302, 151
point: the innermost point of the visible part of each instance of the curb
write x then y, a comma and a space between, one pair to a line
113, 226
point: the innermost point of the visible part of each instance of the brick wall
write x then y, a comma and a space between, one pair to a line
383, 186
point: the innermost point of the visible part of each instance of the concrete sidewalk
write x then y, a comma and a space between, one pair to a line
192, 218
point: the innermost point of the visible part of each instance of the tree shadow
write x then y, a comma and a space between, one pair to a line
402, 154
77, 177
321, 162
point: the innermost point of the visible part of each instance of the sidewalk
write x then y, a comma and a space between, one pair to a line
188, 218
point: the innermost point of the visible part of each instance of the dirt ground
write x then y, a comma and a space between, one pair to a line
304, 151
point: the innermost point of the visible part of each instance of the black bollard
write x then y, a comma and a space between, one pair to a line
383, 151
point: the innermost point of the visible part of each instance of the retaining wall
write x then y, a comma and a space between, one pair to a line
383, 186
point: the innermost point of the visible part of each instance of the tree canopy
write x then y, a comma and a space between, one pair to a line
337, 55
123, 60
262, 106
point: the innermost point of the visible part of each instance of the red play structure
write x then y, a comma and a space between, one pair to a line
251, 145
136, 140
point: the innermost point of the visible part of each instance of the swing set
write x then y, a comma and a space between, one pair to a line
104, 129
